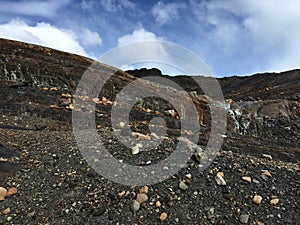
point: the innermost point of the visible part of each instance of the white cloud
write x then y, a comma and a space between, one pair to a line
90, 38
165, 13
138, 47
42, 34
144, 49
33, 8
268, 29
138, 36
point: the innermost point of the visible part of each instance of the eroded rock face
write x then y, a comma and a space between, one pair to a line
269, 118
39, 66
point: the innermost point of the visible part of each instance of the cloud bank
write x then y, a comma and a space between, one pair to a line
44, 34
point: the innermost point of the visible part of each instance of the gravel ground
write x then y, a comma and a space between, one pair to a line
56, 186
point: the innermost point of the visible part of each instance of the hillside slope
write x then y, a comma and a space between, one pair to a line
253, 179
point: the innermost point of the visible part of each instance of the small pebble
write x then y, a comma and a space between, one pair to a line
248, 179
257, 199
141, 198
165, 168
121, 194
267, 156
220, 180
11, 191
221, 174
182, 185
6, 211
163, 216
274, 201
267, 173
135, 206
158, 204
135, 150
144, 189
3, 193
255, 181
189, 176
244, 218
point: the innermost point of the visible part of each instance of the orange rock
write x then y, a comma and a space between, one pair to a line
11, 191
121, 194
221, 174
63, 95
3, 193
230, 101
163, 216
6, 211
144, 190
267, 173
141, 198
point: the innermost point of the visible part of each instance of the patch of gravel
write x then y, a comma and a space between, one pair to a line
56, 186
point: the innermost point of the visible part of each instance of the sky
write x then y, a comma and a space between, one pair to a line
233, 37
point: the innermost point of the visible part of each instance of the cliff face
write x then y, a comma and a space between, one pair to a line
263, 105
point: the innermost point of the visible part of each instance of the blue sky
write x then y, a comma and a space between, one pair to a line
233, 37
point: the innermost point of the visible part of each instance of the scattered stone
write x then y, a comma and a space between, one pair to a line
248, 179
11, 191
163, 216
122, 124
255, 181
274, 201
144, 190
9, 218
121, 194
135, 206
244, 218
189, 176
182, 185
267, 156
267, 173
171, 113
220, 180
3, 193
141, 198
257, 199
221, 174
6, 211
165, 168
135, 150
158, 204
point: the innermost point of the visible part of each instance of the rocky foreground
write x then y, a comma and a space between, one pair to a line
44, 179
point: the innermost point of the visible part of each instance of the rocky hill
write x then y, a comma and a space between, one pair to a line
252, 179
